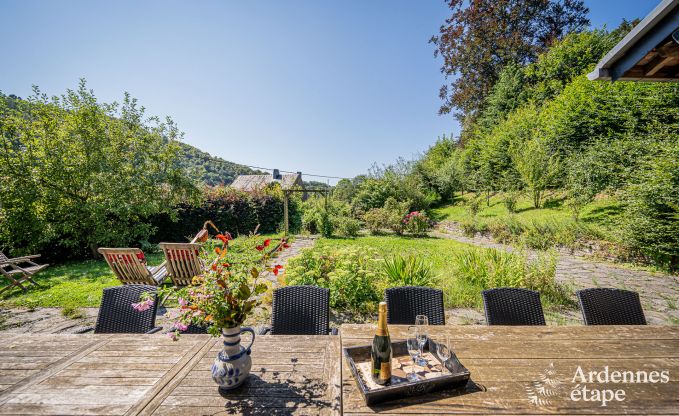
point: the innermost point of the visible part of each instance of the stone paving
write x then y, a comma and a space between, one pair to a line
659, 292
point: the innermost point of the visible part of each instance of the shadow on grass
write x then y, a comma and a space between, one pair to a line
600, 213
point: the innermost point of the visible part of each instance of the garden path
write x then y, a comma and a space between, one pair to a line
51, 320
659, 292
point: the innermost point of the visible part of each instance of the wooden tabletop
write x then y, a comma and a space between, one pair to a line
151, 374
518, 370
530, 370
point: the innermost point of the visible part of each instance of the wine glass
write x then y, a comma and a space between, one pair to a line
422, 324
413, 345
443, 348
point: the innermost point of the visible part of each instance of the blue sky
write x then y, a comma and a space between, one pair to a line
325, 87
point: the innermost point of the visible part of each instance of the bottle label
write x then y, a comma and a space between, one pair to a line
385, 371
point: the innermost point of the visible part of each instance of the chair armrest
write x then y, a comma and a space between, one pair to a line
263, 330
154, 330
33, 256
334, 331
84, 329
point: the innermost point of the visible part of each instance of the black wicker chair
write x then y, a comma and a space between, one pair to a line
192, 329
300, 310
512, 306
406, 302
116, 314
607, 306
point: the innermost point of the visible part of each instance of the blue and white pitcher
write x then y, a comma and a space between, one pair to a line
232, 365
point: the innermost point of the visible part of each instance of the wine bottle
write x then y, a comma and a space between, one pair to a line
381, 351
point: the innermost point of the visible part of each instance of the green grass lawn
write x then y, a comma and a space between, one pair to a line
602, 212
73, 284
538, 228
80, 283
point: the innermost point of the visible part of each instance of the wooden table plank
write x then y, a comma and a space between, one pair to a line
29, 359
530, 370
92, 381
290, 375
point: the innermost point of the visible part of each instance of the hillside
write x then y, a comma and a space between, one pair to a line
210, 169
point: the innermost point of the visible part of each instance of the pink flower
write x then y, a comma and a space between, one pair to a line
181, 326
182, 302
143, 306
172, 335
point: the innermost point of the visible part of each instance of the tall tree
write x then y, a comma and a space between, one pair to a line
482, 36
77, 173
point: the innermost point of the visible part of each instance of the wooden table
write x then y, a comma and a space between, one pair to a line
514, 370
530, 370
151, 374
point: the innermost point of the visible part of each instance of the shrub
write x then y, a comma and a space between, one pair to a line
327, 216
347, 226
417, 223
351, 274
374, 219
230, 209
510, 200
474, 205
409, 271
490, 268
394, 212
470, 227
388, 217
651, 218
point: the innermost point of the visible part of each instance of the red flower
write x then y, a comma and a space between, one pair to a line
266, 243
286, 245
214, 266
276, 269
223, 238
260, 248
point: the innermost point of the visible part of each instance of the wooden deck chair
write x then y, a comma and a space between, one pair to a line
183, 262
12, 270
129, 266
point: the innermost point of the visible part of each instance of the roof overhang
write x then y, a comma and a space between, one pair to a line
650, 52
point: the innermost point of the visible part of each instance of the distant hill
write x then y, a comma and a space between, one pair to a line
201, 165
211, 169
316, 185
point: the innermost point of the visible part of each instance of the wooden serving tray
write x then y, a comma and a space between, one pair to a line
435, 376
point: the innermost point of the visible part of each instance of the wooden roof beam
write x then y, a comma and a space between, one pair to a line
656, 65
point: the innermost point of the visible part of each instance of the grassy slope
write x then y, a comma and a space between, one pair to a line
601, 213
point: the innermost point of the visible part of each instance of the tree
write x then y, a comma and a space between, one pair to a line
78, 174
483, 36
537, 166
651, 218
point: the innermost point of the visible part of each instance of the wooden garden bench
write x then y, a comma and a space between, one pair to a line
129, 266
16, 274
182, 261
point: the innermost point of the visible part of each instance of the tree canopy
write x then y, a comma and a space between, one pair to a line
482, 37
77, 173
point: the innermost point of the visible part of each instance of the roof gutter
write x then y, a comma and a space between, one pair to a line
605, 70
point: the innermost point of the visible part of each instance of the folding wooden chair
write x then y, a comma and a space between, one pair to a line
12, 270
182, 261
129, 266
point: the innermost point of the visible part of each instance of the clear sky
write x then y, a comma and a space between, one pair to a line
325, 87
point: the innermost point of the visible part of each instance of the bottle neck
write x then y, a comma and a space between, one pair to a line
382, 330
